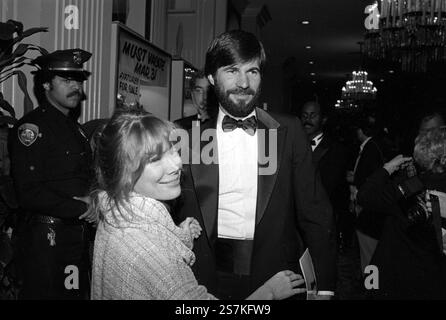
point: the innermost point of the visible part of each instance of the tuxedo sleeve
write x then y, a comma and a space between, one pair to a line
314, 212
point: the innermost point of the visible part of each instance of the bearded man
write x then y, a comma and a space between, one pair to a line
258, 217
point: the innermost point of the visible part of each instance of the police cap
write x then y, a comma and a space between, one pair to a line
65, 63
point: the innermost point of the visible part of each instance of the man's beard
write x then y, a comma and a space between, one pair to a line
240, 109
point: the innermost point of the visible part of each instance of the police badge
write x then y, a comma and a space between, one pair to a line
28, 133
77, 57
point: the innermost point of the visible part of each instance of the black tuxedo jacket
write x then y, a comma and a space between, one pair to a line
371, 159
331, 160
293, 211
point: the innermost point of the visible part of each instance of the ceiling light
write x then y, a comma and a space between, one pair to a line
308, 47
305, 22
311, 62
313, 74
314, 81
391, 71
382, 80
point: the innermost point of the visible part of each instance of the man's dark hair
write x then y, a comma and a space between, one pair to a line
368, 125
41, 77
323, 111
195, 76
233, 47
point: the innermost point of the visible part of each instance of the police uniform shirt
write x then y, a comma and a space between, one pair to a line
50, 163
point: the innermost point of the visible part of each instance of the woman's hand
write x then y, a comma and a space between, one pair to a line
192, 226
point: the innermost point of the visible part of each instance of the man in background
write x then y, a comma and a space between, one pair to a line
431, 120
370, 157
199, 85
330, 158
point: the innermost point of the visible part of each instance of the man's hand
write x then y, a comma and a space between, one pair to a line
285, 284
90, 215
397, 163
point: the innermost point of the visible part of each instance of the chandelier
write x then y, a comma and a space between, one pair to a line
356, 91
410, 32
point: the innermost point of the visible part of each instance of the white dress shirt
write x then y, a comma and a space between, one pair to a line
237, 189
361, 147
317, 139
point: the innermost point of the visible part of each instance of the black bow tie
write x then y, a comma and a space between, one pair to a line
313, 142
249, 125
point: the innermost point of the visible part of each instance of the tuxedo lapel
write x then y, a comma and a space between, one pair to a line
321, 150
206, 176
265, 183
205, 180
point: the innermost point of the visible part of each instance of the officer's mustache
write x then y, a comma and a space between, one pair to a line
308, 124
78, 94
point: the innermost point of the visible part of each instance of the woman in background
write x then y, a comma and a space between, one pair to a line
139, 252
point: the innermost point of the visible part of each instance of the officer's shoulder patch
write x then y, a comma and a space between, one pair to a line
28, 133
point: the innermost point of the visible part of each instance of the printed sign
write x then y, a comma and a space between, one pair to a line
140, 65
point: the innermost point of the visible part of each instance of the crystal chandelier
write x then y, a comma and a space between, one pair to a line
411, 32
357, 90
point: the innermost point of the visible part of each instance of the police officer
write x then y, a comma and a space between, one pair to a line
51, 167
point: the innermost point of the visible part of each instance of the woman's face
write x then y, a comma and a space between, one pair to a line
160, 179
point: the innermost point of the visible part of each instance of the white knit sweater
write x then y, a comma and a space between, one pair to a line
139, 253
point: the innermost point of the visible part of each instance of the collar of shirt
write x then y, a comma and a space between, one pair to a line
317, 139
363, 144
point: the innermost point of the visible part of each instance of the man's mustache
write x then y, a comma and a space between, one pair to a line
79, 94
247, 91
74, 93
308, 124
